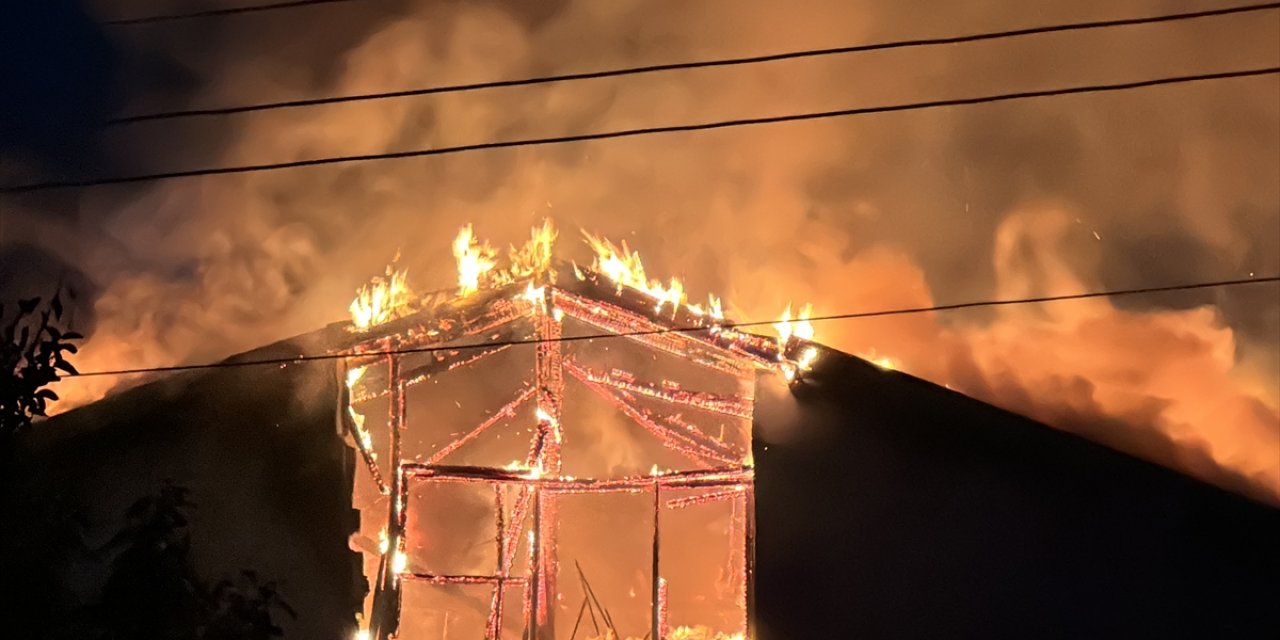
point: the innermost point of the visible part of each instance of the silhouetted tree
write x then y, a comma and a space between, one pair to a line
152, 592
243, 610
33, 348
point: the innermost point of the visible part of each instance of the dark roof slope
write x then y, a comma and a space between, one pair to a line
899, 509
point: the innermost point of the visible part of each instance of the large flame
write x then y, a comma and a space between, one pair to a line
384, 298
800, 327
624, 267
535, 256
475, 259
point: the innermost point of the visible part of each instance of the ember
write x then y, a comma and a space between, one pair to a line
656, 429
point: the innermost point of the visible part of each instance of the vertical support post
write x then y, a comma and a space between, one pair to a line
549, 376
386, 604
657, 588
749, 559
499, 590
534, 596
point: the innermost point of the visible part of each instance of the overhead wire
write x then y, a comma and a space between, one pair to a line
215, 13
643, 131
682, 66
689, 329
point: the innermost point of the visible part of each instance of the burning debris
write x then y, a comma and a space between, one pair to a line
683, 375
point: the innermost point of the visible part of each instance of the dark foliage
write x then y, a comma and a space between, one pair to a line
33, 351
242, 610
151, 590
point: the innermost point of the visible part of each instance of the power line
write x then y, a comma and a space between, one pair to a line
728, 325
626, 133
628, 71
215, 13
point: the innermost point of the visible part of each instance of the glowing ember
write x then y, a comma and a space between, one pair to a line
475, 259
385, 298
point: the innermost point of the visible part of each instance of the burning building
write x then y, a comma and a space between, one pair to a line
622, 498
548, 450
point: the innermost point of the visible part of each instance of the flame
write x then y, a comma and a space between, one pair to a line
701, 633
475, 259
381, 300
885, 363
800, 328
712, 309
543, 416
624, 267
535, 472
353, 376
807, 358
535, 256
535, 295
357, 418
383, 543
399, 562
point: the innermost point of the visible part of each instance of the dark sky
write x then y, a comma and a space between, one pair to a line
1053, 196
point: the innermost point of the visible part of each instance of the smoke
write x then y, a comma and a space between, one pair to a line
1040, 197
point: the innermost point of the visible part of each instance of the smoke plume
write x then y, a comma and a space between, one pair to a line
1042, 197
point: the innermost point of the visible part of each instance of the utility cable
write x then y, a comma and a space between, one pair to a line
215, 13
698, 329
681, 66
627, 133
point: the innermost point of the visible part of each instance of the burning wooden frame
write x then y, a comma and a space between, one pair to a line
527, 495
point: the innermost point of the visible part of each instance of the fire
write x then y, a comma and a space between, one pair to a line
807, 358
701, 633
543, 416
624, 267
713, 308
383, 299
399, 562
535, 295
475, 259
478, 260
800, 328
357, 418
881, 361
535, 256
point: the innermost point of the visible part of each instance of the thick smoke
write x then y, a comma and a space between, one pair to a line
1031, 198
